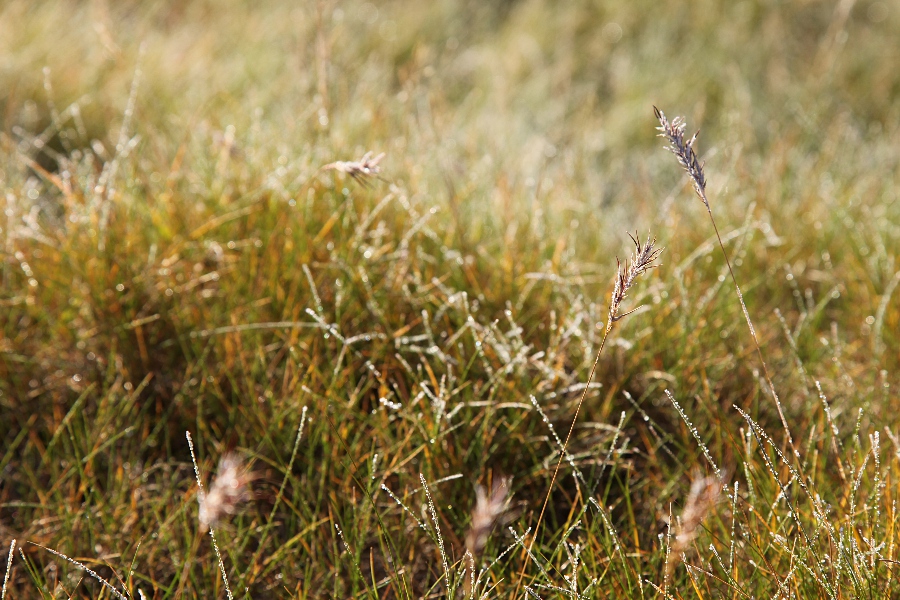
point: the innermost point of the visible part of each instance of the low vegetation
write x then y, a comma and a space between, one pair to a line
339, 300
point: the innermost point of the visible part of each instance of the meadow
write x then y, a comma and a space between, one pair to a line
420, 296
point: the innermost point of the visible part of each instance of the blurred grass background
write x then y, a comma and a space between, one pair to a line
175, 259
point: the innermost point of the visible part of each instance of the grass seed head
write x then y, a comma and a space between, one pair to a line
642, 260
362, 170
227, 491
673, 132
488, 510
702, 499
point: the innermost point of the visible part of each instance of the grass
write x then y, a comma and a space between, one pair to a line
194, 240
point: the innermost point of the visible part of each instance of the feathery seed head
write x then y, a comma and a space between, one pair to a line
488, 510
361, 170
702, 499
673, 132
227, 491
642, 259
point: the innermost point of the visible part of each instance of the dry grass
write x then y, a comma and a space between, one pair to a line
377, 336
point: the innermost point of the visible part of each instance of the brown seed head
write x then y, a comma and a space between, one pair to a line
642, 259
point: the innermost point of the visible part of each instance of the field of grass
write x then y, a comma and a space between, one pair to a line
395, 357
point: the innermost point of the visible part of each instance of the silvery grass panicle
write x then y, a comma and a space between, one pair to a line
227, 491
673, 131
489, 508
702, 499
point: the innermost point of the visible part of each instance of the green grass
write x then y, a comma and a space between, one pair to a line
174, 258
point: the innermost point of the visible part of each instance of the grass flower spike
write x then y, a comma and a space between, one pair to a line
673, 131
702, 499
488, 510
641, 261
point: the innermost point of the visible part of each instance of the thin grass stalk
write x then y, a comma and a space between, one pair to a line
12, 549
86, 569
437, 529
391, 549
352, 554
761, 436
